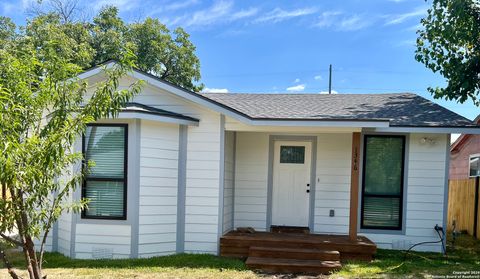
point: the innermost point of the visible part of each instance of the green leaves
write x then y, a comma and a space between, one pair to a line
44, 111
449, 43
158, 51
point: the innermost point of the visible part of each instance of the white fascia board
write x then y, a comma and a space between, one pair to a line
320, 123
96, 70
430, 130
152, 117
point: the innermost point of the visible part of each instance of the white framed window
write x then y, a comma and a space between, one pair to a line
474, 165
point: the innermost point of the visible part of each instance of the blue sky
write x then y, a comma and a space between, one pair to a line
287, 46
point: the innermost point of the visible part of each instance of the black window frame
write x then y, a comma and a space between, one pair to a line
402, 184
125, 173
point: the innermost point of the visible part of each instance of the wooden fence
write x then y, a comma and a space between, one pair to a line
463, 207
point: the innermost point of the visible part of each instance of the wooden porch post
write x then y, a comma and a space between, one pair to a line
354, 186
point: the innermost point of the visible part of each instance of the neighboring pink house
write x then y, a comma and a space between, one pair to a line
465, 156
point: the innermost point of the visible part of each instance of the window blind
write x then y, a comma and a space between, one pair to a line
383, 182
105, 181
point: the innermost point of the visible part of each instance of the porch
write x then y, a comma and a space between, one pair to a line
295, 252
314, 184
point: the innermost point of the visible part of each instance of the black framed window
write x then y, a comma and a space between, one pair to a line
105, 183
382, 189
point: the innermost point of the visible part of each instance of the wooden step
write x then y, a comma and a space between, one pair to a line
289, 229
237, 245
292, 265
293, 253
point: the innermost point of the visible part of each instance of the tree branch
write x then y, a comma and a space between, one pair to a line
8, 265
10, 239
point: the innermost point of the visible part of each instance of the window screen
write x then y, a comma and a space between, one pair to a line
105, 182
292, 154
475, 165
383, 182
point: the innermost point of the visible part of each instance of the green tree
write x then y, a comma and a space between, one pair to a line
170, 58
158, 51
43, 111
108, 35
76, 46
449, 44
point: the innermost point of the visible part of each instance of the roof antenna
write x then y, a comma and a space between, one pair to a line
330, 80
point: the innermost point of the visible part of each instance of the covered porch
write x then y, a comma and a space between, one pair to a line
299, 177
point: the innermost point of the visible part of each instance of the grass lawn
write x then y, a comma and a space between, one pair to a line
464, 257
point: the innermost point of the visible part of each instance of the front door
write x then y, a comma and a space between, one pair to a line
291, 183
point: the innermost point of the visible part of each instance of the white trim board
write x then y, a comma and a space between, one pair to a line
152, 117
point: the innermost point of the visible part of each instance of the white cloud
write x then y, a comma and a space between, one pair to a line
354, 22
326, 92
296, 88
244, 13
215, 90
399, 18
278, 15
221, 11
414, 28
327, 19
297, 80
208, 16
318, 77
342, 22
180, 5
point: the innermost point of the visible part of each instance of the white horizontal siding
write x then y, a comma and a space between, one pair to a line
202, 184
104, 239
228, 198
64, 233
159, 146
333, 183
251, 175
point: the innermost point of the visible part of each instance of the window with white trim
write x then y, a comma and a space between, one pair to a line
474, 165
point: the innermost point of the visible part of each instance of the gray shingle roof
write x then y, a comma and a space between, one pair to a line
401, 109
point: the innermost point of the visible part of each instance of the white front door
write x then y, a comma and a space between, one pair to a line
291, 183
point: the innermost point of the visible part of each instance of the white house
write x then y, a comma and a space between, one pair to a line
177, 170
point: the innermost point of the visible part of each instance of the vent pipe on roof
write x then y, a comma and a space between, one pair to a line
330, 80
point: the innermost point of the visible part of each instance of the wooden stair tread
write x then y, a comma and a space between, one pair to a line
299, 250
294, 253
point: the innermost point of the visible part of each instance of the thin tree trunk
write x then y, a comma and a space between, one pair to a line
8, 265
34, 271
37, 272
